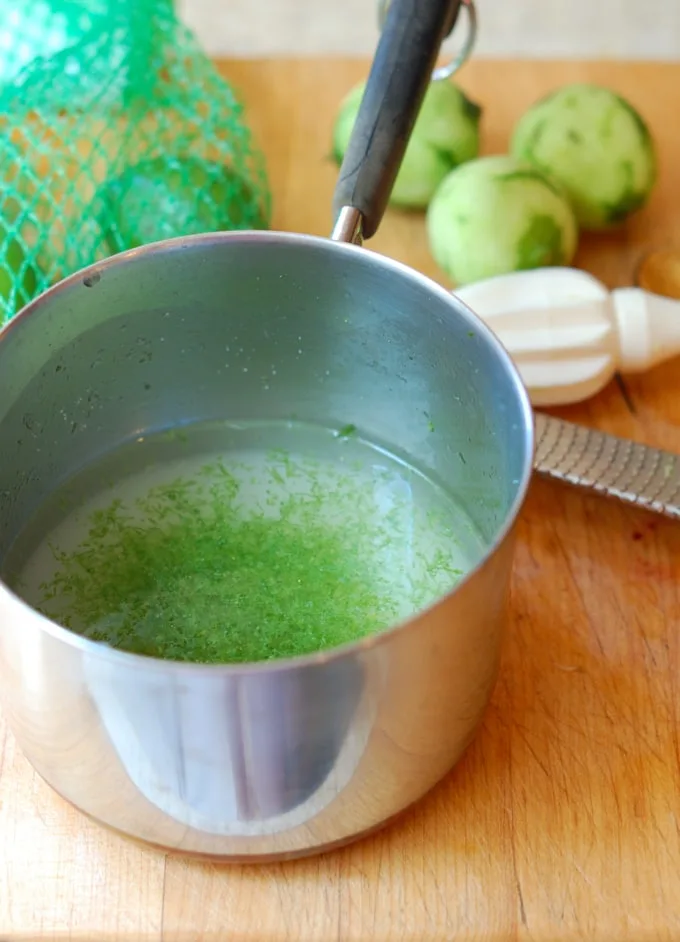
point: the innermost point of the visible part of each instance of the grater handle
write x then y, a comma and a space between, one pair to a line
614, 467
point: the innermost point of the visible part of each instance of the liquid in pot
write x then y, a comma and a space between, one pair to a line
242, 542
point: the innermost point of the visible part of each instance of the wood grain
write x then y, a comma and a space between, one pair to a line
561, 822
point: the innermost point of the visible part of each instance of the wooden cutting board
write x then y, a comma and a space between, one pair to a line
561, 822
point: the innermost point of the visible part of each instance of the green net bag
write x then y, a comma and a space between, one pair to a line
115, 130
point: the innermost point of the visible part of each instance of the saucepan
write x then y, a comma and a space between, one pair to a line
291, 756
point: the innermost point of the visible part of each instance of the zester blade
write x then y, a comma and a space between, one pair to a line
608, 465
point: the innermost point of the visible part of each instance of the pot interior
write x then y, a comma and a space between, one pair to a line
382, 405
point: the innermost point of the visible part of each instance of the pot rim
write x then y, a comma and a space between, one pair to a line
93, 272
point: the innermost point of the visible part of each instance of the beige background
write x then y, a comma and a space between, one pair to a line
534, 28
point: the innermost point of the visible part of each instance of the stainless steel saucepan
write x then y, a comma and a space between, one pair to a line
288, 757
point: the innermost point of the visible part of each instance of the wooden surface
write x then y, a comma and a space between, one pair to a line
561, 822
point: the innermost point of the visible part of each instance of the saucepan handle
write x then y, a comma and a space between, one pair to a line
409, 45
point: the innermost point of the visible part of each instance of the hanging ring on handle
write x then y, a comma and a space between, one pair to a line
446, 71
451, 67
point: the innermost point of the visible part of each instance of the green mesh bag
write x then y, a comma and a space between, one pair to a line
115, 130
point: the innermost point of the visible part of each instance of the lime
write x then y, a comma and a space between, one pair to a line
496, 215
446, 134
166, 197
18, 279
596, 145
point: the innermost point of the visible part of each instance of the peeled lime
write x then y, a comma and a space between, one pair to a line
497, 215
596, 145
166, 197
446, 134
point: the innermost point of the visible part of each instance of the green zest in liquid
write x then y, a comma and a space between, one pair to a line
241, 562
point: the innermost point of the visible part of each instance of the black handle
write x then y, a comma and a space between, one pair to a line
402, 67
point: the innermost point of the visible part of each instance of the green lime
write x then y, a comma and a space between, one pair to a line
168, 196
495, 215
596, 145
445, 135
18, 279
